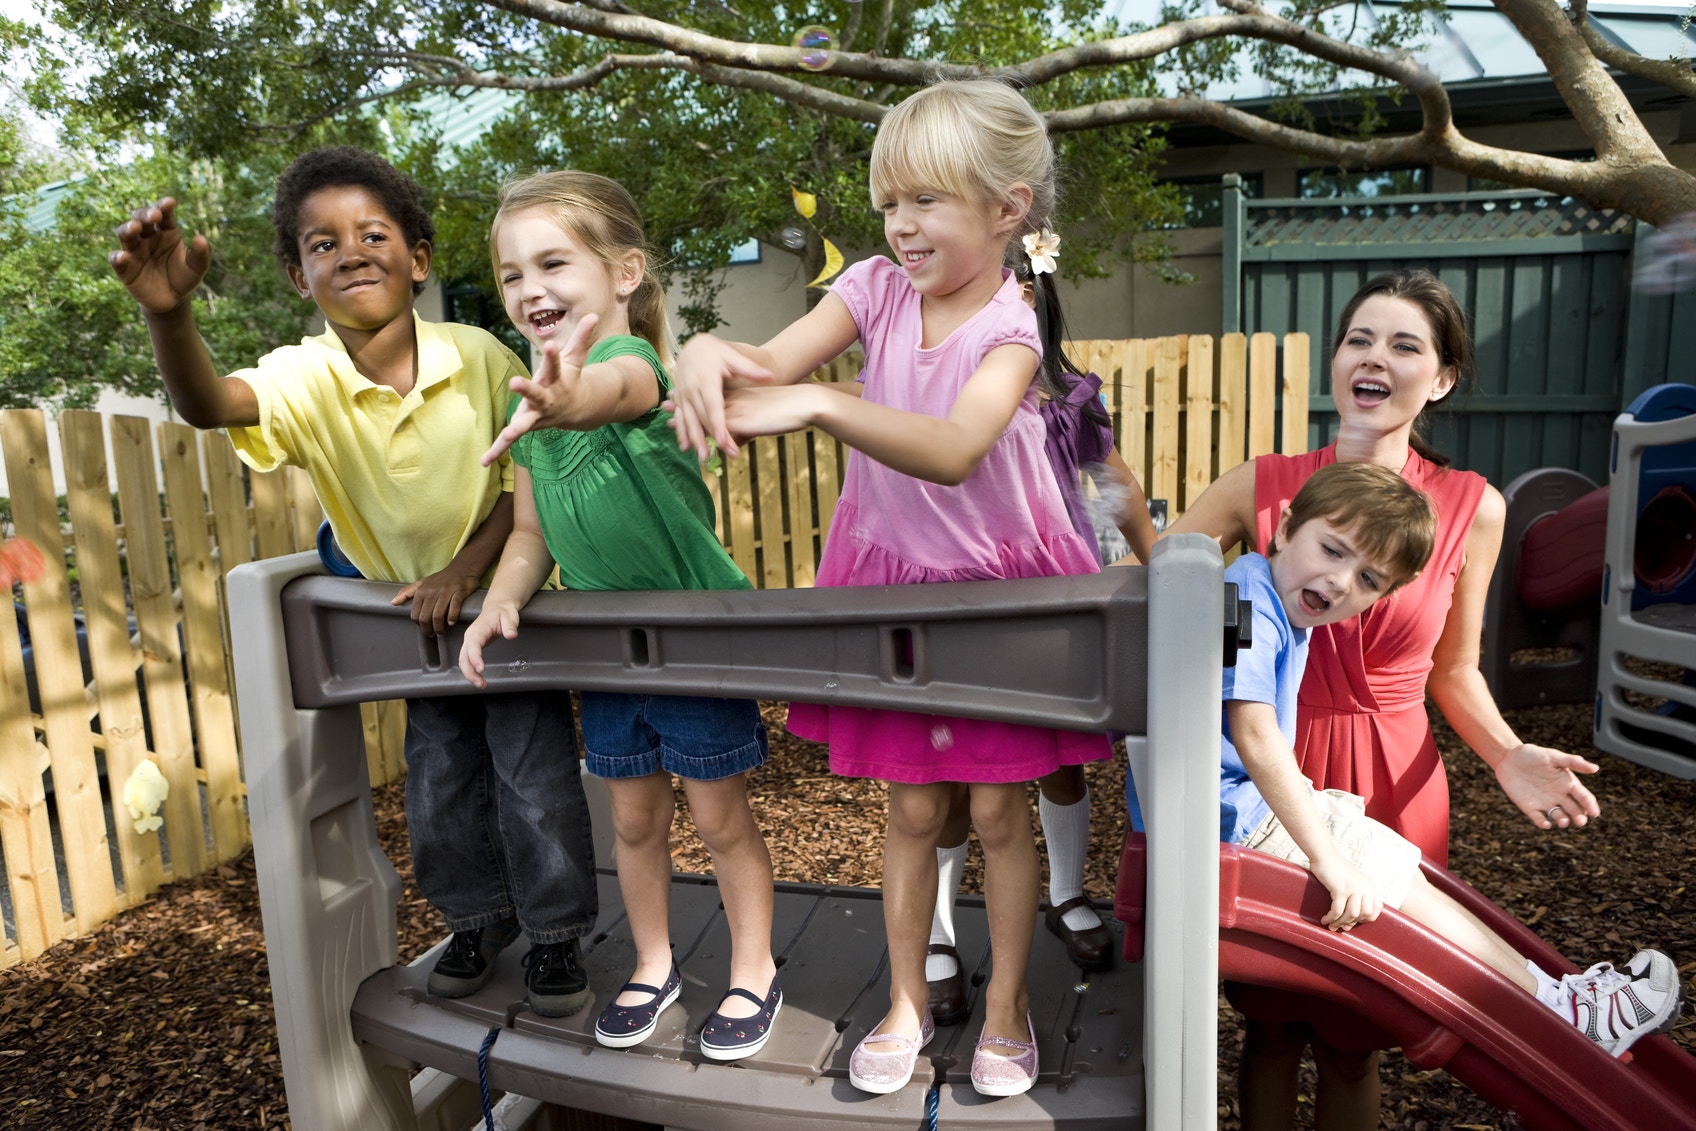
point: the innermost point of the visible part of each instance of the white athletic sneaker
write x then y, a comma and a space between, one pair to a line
1614, 1006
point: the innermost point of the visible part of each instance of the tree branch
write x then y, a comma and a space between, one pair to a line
1674, 74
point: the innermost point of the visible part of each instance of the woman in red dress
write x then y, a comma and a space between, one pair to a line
1402, 347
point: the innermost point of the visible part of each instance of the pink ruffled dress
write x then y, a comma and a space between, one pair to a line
1008, 519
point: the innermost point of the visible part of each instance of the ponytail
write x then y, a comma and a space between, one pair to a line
1058, 375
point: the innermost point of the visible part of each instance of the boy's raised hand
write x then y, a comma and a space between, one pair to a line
153, 262
549, 396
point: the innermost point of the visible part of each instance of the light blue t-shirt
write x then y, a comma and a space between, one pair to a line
1268, 672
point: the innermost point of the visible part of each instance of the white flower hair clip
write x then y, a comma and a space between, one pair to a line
1042, 247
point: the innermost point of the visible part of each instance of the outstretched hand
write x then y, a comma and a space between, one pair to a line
705, 366
550, 396
153, 262
1544, 784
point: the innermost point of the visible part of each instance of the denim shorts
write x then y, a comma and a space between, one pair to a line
631, 736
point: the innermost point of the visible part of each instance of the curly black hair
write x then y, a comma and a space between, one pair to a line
338, 166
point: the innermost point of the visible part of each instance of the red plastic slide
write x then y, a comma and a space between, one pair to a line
1444, 1008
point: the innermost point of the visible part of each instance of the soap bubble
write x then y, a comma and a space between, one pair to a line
941, 736
518, 666
814, 43
792, 238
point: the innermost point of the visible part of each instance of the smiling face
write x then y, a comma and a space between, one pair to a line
549, 279
1387, 367
355, 262
948, 243
1321, 577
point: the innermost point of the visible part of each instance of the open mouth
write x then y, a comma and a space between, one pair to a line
914, 258
545, 320
1313, 603
1371, 392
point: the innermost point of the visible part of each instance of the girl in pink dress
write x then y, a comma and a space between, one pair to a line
1402, 347
949, 482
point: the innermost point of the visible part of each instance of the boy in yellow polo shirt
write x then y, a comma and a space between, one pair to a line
388, 414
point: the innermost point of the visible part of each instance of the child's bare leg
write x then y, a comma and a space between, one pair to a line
742, 864
1012, 877
1266, 1075
1348, 1096
642, 809
1425, 904
917, 814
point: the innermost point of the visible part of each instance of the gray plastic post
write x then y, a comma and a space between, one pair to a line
1181, 815
1129, 650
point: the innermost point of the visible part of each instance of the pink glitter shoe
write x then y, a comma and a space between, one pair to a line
883, 1072
997, 1075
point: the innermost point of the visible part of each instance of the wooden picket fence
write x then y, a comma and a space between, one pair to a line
151, 602
1185, 409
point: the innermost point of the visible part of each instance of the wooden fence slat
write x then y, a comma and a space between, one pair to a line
271, 512
1136, 364
226, 486
58, 670
1233, 395
88, 491
384, 724
161, 644
740, 513
1262, 393
801, 495
1296, 378
1168, 372
304, 509
202, 628
768, 512
26, 837
1198, 424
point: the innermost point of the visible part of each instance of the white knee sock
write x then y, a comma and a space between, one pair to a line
950, 863
1066, 828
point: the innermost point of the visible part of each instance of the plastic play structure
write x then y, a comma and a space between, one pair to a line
1134, 651
1649, 585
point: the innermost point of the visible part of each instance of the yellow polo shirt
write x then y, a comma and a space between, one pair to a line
398, 477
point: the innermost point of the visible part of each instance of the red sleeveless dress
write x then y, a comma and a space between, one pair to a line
1361, 724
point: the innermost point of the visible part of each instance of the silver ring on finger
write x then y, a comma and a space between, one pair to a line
1551, 811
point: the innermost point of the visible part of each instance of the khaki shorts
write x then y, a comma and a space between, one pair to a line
1389, 861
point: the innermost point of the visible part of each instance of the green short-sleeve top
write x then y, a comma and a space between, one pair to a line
621, 507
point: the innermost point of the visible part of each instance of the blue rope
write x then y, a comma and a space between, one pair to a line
933, 1106
483, 1078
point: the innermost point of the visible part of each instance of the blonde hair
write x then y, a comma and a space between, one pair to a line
602, 215
975, 138
1389, 519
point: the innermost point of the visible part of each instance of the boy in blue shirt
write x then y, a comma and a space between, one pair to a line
389, 414
1354, 534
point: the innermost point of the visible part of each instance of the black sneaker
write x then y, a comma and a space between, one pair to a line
558, 986
469, 961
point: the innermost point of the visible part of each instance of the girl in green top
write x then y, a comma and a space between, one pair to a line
603, 491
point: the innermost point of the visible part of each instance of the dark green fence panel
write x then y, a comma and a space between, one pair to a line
1545, 282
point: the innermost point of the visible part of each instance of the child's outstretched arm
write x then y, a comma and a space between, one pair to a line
942, 451
436, 599
525, 565
1272, 765
161, 271
709, 365
566, 392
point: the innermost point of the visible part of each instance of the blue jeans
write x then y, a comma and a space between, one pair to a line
495, 809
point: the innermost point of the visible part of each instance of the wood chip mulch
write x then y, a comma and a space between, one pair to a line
162, 1019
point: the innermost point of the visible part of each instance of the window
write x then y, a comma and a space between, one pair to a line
1327, 184
1203, 198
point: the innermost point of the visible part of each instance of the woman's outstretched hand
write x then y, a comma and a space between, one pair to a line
550, 396
705, 366
1544, 784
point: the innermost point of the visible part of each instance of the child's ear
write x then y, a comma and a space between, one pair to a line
297, 278
631, 268
1281, 535
422, 254
1015, 205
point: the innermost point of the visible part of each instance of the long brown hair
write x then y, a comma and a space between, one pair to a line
603, 216
1449, 335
